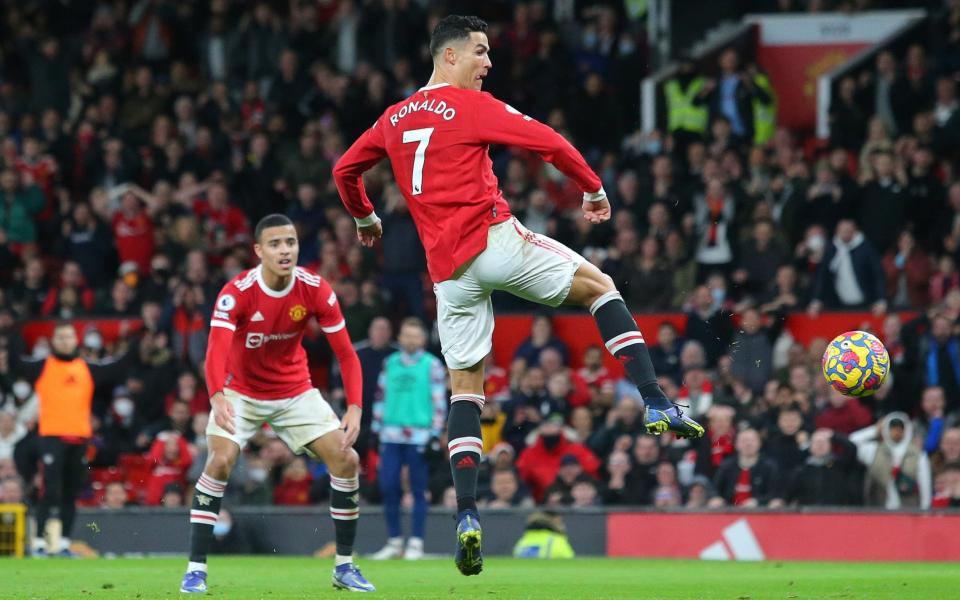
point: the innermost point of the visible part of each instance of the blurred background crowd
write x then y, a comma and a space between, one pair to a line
139, 140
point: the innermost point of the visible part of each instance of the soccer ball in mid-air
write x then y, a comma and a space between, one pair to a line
855, 363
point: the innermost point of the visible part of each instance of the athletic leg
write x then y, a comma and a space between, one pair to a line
222, 454
595, 291
223, 449
344, 467
391, 463
74, 474
49, 523
419, 476
545, 271
465, 322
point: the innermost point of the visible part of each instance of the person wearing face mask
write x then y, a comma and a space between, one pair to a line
65, 385
539, 464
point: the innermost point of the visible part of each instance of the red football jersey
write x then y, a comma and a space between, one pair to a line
266, 359
438, 143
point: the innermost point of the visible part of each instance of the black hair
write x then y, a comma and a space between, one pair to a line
272, 220
62, 324
454, 27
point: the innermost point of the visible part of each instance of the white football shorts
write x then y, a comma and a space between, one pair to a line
297, 421
516, 260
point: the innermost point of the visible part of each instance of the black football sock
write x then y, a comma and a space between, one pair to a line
625, 342
203, 514
465, 447
344, 510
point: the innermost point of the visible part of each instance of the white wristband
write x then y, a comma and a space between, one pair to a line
371, 219
596, 196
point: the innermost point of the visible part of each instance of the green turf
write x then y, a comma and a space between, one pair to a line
274, 578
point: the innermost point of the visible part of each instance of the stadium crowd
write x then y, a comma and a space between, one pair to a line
141, 139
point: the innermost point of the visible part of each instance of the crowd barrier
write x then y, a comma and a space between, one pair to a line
754, 535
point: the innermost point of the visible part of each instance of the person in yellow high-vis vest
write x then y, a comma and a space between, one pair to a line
764, 109
64, 384
687, 117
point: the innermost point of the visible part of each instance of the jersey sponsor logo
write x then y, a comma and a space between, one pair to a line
332, 299
298, 312
219, 314
257, 316
255, 340
433, 106
226, 303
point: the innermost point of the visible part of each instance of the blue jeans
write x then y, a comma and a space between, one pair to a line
392, 459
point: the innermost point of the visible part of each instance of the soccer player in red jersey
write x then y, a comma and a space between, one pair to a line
437, 141
256, 371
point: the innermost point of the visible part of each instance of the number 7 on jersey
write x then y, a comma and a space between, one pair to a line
422, 136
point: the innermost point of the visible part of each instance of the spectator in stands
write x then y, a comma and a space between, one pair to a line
708, 325
649, 282
404, 260
88, 241
541, 336
848, 117
666, 354
761, 256
732, 96
898, 474
944, 279
752, 351
714, 214
844, 414
372, 351
747, 479
930, 423
850, 275
949, 451
114, 496
884, 208
939, 359
133, 232
539, 463
11, 491
256, 489
667, 493
170, 459
713, 448
11, 432
784, 444
826, 478
505, 491
294, 487
20, 203
624, 420
560, 492
908, 270
782, 294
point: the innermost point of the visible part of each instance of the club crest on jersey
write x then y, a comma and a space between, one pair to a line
298, 312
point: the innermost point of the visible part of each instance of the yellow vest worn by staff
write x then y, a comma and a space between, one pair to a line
682, 113
764, 113
543, 543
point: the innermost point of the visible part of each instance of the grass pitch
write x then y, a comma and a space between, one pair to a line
275, 578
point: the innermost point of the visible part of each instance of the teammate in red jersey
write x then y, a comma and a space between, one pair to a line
438, 141
256, 371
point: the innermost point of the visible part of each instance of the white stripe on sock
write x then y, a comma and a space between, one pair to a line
609, 296
631, 336
477, 399
465, 444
